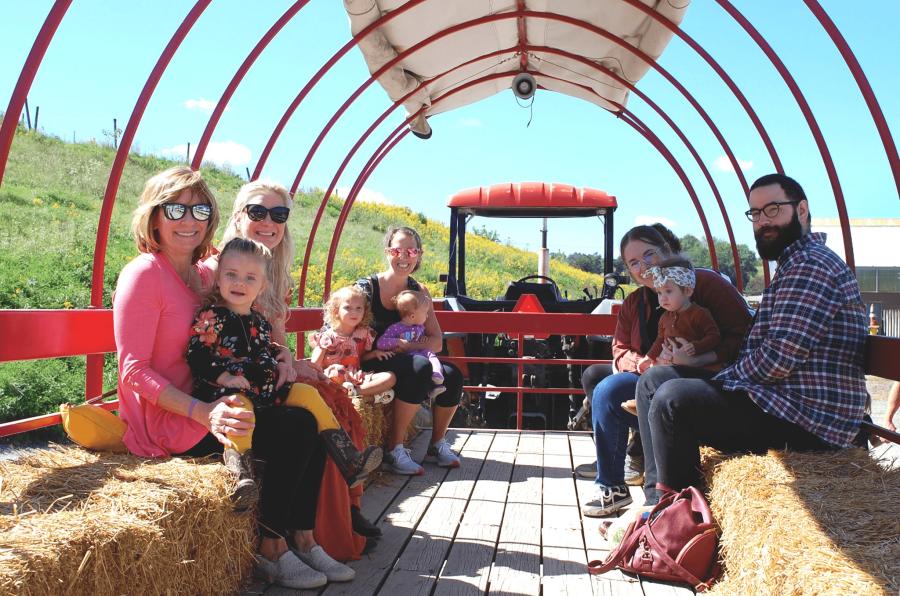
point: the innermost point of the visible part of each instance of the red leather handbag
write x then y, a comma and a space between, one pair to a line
677, 541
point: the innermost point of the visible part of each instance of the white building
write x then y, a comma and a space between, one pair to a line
876, 252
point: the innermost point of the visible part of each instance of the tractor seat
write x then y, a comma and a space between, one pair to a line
546, 293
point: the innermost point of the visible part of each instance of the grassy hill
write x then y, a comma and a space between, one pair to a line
49, 207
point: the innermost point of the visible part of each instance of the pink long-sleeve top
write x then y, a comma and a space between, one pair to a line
152, 314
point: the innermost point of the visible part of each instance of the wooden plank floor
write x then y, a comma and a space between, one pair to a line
507, 521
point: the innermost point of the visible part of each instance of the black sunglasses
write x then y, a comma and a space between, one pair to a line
257, 212
176, 211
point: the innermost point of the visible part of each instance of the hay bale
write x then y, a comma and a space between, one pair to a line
377, 419
76, 522
806, 523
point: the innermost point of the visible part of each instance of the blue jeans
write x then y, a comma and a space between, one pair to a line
610, 423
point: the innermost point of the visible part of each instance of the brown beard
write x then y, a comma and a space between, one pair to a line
771, 250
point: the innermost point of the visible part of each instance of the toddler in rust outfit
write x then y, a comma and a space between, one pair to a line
674, 280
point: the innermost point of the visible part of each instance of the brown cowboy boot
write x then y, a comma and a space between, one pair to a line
245, 493
354, 466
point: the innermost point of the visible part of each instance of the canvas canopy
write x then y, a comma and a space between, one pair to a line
451, 61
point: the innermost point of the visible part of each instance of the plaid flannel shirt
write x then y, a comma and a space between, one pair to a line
803, 358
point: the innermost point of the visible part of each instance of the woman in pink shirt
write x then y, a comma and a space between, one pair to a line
157, 295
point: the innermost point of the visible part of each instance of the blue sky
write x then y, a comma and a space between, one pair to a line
104, 50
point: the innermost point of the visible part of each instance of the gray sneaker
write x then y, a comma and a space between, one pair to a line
442, 455
607, 500
319, 560
588, 471
400, 462
634, 471
290, 572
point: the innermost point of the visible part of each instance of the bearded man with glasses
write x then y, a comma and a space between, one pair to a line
798, 382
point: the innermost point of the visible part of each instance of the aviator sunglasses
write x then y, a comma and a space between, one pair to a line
410, 252
176, 211
257, 212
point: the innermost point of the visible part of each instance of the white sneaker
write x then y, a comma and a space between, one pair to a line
385, 397
606, 501
290, 572
441, 453
401, 463
319, 560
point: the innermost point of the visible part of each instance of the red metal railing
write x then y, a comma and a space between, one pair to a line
65, 333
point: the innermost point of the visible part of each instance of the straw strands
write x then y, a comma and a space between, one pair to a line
76, 522
806, 523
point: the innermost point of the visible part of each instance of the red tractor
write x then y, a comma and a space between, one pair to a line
533, 293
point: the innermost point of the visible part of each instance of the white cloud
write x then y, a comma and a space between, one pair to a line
649, 220
203, 105
366, 195
723, 164
470, 122
228, 153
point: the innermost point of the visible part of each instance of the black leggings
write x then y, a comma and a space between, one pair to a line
414, 379
287, 440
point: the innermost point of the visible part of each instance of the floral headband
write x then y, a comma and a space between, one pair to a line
680, 276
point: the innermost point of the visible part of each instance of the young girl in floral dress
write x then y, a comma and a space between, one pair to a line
231, 350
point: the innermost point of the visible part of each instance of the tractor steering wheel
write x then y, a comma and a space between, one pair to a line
551, 281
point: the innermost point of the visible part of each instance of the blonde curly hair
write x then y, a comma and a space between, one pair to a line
330, 310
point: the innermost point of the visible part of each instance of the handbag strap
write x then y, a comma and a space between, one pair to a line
597, 567
97, 398
674, 565
631, 536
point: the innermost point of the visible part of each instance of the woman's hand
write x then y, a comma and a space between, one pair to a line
665, 356
284, 370
643, 364
380, 354
225, 416
305, 369
683, 354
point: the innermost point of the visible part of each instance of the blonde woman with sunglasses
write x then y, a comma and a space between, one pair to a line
261, 212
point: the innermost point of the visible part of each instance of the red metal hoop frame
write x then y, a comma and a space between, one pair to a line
60, 7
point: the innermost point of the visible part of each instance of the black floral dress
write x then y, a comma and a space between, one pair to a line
224, 341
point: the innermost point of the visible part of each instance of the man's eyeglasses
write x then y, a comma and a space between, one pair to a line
257, 212
410, 252
770, 210
646, 258
176, 211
